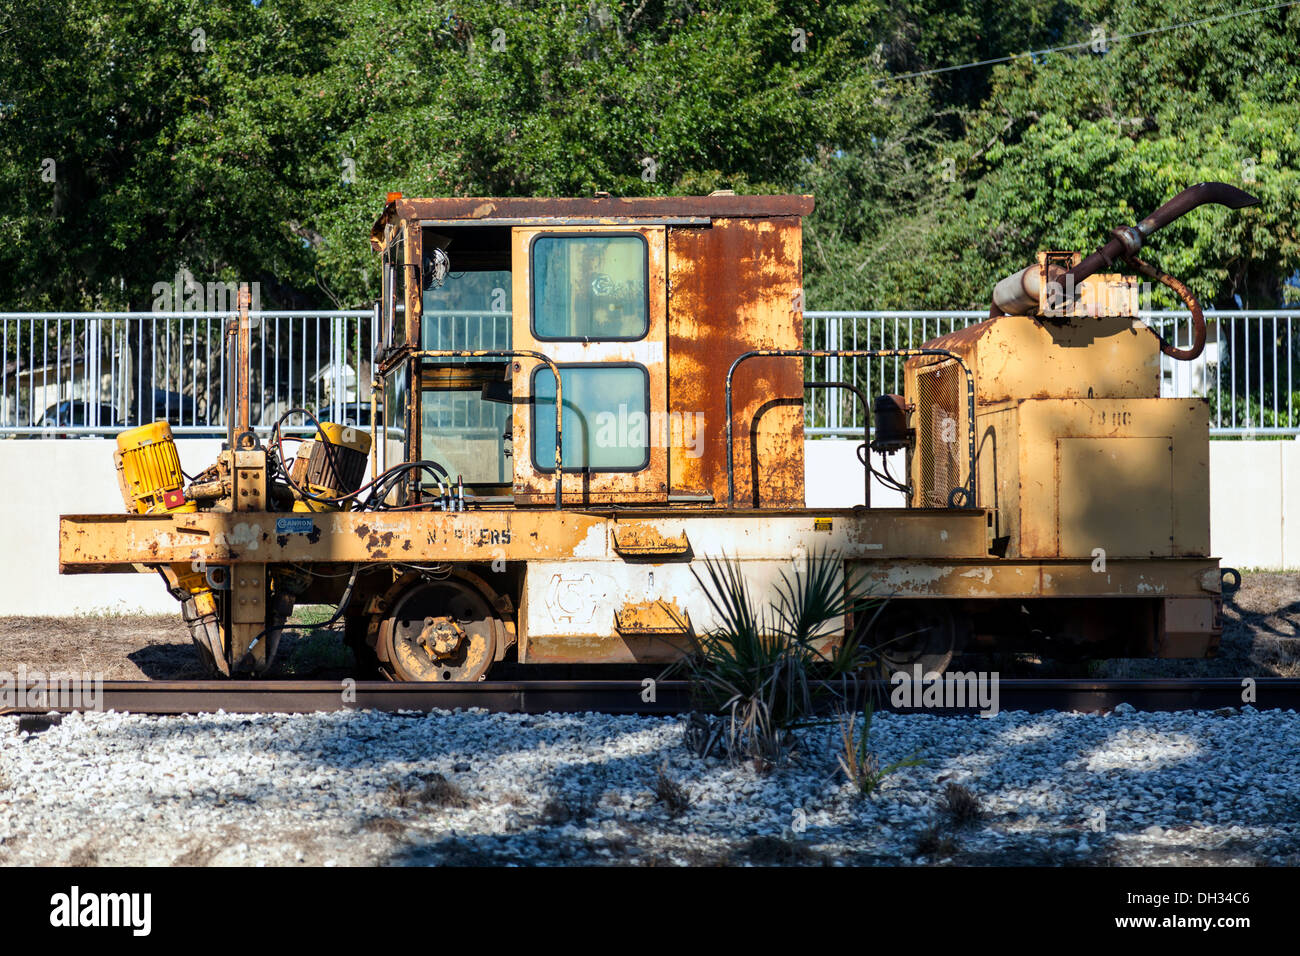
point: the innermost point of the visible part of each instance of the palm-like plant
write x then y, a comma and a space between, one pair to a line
766, 667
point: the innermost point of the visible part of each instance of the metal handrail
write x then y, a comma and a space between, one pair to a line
969, 490
559, 401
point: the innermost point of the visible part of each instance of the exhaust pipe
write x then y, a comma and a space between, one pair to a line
1019, 293
1128, 239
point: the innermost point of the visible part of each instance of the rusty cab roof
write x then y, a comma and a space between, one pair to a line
599, 210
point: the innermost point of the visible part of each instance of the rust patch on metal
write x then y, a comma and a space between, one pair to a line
646, 618
733, 288
651, 207
645, 541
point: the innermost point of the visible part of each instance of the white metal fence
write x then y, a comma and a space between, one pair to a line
93, 373
1249, 370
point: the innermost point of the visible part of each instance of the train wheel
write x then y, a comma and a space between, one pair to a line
440, 631
908, 633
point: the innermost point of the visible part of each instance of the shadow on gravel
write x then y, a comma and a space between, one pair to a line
542, 821
1175, 795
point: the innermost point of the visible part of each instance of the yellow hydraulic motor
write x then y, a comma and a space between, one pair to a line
330, 465
149, 471
149, 474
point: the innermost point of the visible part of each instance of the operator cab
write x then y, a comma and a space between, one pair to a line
521, 289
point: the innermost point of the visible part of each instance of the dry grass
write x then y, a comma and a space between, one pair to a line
434, 789
960, 805
84, 856
146, 647
388, 826
199, 854
441, 792
671, 793
958, 808
860, 765
557, 811
120, 647
935, 842
401, 796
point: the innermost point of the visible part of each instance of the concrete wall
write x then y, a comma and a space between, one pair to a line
1254, 486
1254, 491
40, 480
833, 476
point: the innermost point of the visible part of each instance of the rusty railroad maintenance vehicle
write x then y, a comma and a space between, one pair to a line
538, 485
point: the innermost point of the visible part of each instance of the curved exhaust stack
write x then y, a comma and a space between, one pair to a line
1019, 293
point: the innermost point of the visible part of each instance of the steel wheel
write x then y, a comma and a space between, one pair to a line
440, 631
908, 633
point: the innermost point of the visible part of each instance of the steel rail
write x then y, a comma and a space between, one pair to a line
311, 696
1034, 695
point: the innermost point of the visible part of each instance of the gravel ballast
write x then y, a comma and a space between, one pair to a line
358, 788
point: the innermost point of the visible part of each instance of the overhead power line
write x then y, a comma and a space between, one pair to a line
1088, 42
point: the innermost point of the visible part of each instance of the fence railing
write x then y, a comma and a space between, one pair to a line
94, 373
1249, 370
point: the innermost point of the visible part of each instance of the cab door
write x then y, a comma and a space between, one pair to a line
593, 299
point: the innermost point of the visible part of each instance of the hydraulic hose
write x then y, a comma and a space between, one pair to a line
1189, 300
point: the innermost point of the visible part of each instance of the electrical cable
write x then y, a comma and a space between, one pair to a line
887, 479
342, 608
1085, 43
277, 439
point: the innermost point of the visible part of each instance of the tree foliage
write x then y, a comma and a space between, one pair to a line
256, 140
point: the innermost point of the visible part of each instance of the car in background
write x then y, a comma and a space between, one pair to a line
76, 414
175, 408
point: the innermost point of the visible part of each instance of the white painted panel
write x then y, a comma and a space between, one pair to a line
1246, 503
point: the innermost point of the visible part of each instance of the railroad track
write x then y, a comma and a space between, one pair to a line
612, 696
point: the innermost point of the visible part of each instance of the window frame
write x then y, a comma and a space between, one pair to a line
583, 469
594, 234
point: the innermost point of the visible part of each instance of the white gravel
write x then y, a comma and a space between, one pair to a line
354, 788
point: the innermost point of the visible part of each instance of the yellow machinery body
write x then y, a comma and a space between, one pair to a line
149, 471
1077, 455
1050, 492
152, 482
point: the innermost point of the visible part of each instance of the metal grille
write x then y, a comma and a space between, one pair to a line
93, 373
940, 432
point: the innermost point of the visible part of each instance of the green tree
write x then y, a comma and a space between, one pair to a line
1069, 145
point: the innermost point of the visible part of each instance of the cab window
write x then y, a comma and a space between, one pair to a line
589, 287
606, 417
464, 421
